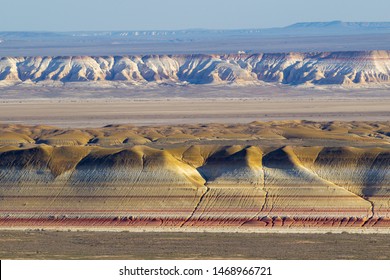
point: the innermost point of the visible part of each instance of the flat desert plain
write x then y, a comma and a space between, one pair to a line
192, 246
67, 108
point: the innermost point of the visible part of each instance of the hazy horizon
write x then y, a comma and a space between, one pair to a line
189, 29
98, 15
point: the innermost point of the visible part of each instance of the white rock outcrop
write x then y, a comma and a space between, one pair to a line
288, 68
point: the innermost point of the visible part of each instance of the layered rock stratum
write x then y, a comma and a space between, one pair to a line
291, 174
317, 68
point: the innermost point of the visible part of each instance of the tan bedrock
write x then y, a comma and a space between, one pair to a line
291, 174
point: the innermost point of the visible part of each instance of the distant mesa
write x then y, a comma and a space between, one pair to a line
341, 24
299, 37
316, 68
330, 27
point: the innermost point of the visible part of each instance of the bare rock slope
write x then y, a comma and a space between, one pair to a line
101, 178
346, 68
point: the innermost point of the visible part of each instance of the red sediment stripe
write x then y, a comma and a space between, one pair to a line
206, 211
188, 196
265, 222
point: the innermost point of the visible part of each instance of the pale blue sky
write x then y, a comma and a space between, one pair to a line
75, 15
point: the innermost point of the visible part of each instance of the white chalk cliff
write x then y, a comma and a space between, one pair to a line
344, 68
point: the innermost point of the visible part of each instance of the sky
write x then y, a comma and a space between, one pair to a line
89, 15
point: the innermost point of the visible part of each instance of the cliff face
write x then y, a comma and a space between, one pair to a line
288, 68
202, 186
197, 185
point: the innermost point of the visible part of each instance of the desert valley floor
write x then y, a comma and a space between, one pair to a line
191, 246
94, 106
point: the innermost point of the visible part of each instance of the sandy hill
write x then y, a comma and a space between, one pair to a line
285, 132
290, 174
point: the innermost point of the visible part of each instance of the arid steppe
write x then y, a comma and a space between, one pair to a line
192, 246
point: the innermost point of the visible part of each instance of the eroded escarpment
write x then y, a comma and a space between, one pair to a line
321, 68
196, 185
